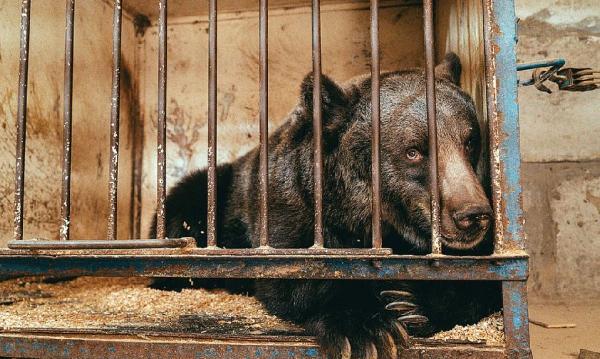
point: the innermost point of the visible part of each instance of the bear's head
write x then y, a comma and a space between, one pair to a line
466, 214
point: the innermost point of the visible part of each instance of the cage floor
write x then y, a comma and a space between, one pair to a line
129, 305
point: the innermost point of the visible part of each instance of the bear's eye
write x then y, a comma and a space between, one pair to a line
469, 146
413, 155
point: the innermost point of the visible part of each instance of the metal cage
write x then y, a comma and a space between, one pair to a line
179, 257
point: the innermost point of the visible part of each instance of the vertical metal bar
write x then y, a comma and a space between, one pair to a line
503, 117
375, 164
161, 173
65, 209
494, 137
436, 246
212, 125
264, 122
21, 120
113, 168
137, 139
317, 123
516, 319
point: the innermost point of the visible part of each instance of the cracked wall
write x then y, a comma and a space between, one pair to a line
560, 143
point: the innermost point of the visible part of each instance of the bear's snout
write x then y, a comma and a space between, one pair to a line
473, 217
466, 211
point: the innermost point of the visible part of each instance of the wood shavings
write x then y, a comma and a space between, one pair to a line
489, 329
128, 303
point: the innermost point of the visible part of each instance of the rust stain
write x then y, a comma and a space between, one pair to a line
593, 199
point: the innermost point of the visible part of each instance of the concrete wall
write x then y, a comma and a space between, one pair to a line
91, 114
560, 142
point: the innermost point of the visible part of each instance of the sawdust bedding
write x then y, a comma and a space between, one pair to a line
489, 329
128, 303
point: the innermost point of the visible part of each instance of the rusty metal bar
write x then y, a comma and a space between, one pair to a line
494, 136
137, 138
436, 245
264, 122
99, 244
99, 343
65, 209
317, 124
161, 170
516, 319
59, 248
211, 219
503, 118
113, 168
135, 344
376, 128
22, 120
249, 263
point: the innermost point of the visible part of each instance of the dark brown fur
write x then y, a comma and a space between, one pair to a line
338, 310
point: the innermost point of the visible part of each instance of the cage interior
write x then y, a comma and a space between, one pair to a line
346, 54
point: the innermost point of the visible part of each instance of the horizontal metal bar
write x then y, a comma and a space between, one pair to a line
102, 244
167, 263
104, 247
35, 345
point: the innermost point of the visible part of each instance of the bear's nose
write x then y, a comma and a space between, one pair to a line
473, 217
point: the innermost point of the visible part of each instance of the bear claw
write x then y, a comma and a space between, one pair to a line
402, 334
401, 306
413, 319
400, 294
346, 352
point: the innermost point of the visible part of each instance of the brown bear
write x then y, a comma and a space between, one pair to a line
350, 318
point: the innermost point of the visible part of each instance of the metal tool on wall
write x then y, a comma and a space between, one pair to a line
567, 78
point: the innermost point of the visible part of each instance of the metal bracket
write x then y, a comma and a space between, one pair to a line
567, 79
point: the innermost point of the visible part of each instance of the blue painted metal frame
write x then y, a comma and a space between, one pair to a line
386, 267
503, 112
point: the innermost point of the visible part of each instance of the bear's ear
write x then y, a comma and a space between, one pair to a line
449, 69
332, 96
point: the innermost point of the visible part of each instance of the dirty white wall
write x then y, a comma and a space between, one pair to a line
560, 142
91, 114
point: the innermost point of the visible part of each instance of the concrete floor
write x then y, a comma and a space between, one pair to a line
564, 343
